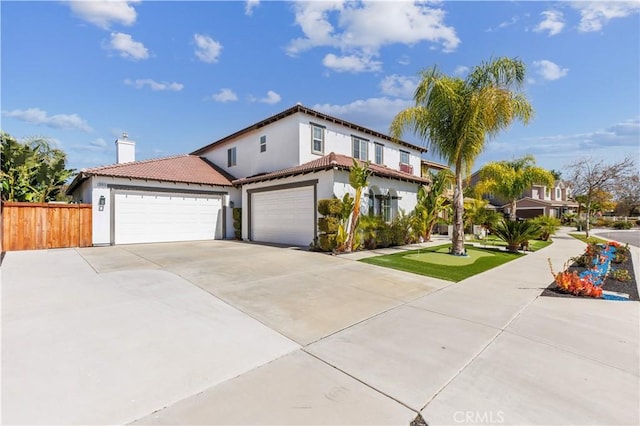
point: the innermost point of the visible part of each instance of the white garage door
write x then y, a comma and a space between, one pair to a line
147, 217
284, 216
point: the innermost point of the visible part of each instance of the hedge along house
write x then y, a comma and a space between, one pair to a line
275, 169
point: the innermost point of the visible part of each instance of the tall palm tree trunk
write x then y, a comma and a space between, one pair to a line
458, 221
514, 207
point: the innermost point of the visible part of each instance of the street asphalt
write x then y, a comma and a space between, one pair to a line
225, 332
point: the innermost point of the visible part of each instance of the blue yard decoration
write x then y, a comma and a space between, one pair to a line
597, 273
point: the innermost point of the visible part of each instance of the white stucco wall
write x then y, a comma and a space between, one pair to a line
281, 153
406, 191
338, 139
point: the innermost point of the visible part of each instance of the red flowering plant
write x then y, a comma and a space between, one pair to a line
571, 282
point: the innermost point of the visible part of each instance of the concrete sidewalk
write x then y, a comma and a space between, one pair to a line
485, 350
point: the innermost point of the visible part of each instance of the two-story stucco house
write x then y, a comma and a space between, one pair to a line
540, 200
275, 170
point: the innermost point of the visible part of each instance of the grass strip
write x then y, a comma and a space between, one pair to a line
436, 262
591, 239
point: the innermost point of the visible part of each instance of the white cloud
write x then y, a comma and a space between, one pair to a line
271, 98
553, 22
105, 13
361, 28
207, 49
461, 70
96, 145
374, 113
225, 95
619, 139
250, 5
399, 86
154, 85
505, 24
549, 70
127, 47
594, 15
350, 63
58, 121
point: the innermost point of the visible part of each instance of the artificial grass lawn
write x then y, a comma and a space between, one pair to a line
436, 262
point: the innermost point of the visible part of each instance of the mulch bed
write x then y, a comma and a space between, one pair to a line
629, 287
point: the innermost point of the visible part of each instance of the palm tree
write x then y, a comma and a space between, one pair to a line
358, 180
511, 178
431, 202
456, 117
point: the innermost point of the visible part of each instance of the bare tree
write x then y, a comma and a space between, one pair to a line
627, 195
589, 176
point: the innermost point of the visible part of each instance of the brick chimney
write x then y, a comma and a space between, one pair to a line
125, 149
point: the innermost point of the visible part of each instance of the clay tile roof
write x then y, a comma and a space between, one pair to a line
180, 168
332, 160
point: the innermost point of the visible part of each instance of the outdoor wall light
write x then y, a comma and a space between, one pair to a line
101, 203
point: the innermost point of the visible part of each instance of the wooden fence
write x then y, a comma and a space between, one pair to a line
33, 226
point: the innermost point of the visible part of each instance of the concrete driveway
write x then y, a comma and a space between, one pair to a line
234, 333
111, 334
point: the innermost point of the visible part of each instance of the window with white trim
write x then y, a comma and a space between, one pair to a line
385, 209
360, 148
558, 194
231, 157
379, 153
404, 157
263, 143
317, 139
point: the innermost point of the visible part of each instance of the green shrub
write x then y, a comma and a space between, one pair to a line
401, 230
237, 225
548, 226
620, 275
328, 224
238, 234
327, 242
602, 222
330, 207
516, 233
237, 213
622, 224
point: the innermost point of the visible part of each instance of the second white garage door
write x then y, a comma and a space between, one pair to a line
148, 217
284, 216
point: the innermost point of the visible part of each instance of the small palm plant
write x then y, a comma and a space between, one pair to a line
516, 233
548, 226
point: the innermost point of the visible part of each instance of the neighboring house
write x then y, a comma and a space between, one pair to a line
427, 166
538, 200
275, 169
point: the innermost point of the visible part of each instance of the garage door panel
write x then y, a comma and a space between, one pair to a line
284, 216
153, 217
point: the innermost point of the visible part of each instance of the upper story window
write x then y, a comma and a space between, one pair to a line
404, 163
547, 193
263, 143
558, 194
379, 157
317, 139
360, 148
231, 157
404, 157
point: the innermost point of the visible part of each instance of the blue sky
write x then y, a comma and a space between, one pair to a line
178, 75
